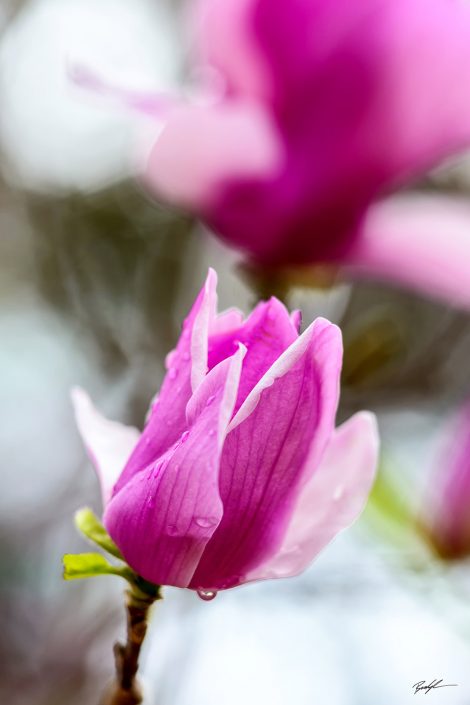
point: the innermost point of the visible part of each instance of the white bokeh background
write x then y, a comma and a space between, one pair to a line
359, 628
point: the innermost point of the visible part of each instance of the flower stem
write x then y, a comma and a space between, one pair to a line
125, 689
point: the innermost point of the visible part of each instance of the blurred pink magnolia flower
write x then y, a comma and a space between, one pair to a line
239, 474
450, 501
310, 114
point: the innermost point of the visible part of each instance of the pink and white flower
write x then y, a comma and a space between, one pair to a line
311, 115
239, 474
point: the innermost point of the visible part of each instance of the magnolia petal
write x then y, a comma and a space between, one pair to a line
332, 499
156, 105
296, 318
186, 366
421, 242
226, 321
378, 84
266, 333
446, 510
226, 40
366, 96
287, 418
200, 147
108, 443
162, 519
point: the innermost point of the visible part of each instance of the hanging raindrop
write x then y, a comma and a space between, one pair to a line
207, 595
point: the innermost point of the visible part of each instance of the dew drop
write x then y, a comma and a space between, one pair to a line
170, 358
173, 373
207, 595
205, 522
210, 400
184, 437
271, 314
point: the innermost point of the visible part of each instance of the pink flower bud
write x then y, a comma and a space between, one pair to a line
239, 474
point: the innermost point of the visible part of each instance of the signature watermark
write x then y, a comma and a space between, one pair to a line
423, 687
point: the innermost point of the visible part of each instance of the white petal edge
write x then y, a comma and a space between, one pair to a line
279, 368
331, 500
200, 333
108, 443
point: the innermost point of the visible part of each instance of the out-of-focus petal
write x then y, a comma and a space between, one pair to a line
421, 242
226, 39
109, 443
287, 417
447, 509
356, 74
157, 105
266, 333
162, 519
201, 147
187, 365
365, 96
331, 500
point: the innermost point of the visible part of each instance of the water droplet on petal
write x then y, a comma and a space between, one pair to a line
184, 437
271, 314
173, 373
205, 522
207, 595
170, 358
210, 400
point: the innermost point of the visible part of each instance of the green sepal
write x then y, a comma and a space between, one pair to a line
89, 565
91, 527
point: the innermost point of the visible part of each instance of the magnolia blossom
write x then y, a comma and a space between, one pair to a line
448, 511
239, 474
309, 114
